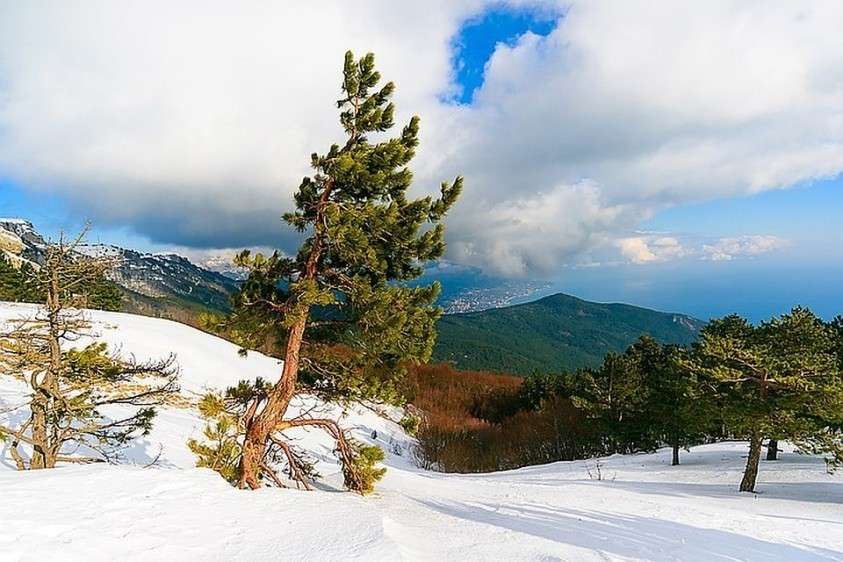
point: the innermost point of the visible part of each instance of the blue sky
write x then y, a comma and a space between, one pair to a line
802, 267
479, 36
806, 273
808, 212
52, 214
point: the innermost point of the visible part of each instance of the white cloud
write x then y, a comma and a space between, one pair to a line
727, 249
647, 248
675, 103
193, 121
650, 249
519, 236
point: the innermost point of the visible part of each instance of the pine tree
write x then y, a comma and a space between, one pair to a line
826, 414
677, 410
780, 378
103, 294
9, 280
343, 311
16, 283
836, 326
220, 450
20, 284
70, 387
615, 395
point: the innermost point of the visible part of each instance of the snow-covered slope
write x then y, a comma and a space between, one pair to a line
644, 509
205, 362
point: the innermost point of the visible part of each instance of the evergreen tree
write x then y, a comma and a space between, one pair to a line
780, 378
826, 415
103, 294
16, 283
19, 284
341, 308
9, 280
678, 411
836, 326
615, 395
70, 387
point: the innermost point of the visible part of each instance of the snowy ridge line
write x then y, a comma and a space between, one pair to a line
142, 274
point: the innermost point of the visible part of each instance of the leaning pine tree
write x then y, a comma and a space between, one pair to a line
345, 316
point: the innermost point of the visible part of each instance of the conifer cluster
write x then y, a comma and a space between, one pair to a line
779, 380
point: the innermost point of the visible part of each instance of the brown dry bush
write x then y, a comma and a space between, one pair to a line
478, 422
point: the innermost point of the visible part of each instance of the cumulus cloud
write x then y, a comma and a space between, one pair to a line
193, 122
650, 249
676, 103
519, 236
727, 249
647, 248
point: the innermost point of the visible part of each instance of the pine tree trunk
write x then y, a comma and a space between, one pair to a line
675, 461
42, 403
38, 418
750, 473
773, 450
50, 384
277, 402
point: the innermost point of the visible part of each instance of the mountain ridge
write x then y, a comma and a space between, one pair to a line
152, 283
556, 333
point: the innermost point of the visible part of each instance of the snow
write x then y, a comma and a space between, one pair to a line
99, 250
644, 509
17, 226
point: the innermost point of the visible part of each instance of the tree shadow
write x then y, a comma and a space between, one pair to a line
814, 492
13, 417
630, 536
140, 451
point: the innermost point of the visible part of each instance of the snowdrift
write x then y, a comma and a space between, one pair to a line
643, 509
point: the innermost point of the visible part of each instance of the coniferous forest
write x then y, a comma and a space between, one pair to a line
778, 381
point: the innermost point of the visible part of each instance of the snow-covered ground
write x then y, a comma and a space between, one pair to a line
644, 509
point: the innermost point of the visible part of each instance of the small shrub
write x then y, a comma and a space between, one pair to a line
363, 473
410, 423
596, 472
481, 422
220, 451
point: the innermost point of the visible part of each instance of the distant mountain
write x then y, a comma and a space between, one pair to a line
553, 334
224, 265
152, 283
19, 242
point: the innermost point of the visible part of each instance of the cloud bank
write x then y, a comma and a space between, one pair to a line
658, 248
193, 121
727, 249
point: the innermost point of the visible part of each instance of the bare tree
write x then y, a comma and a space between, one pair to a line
70, 383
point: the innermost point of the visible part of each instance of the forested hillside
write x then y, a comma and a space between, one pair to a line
553, 334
